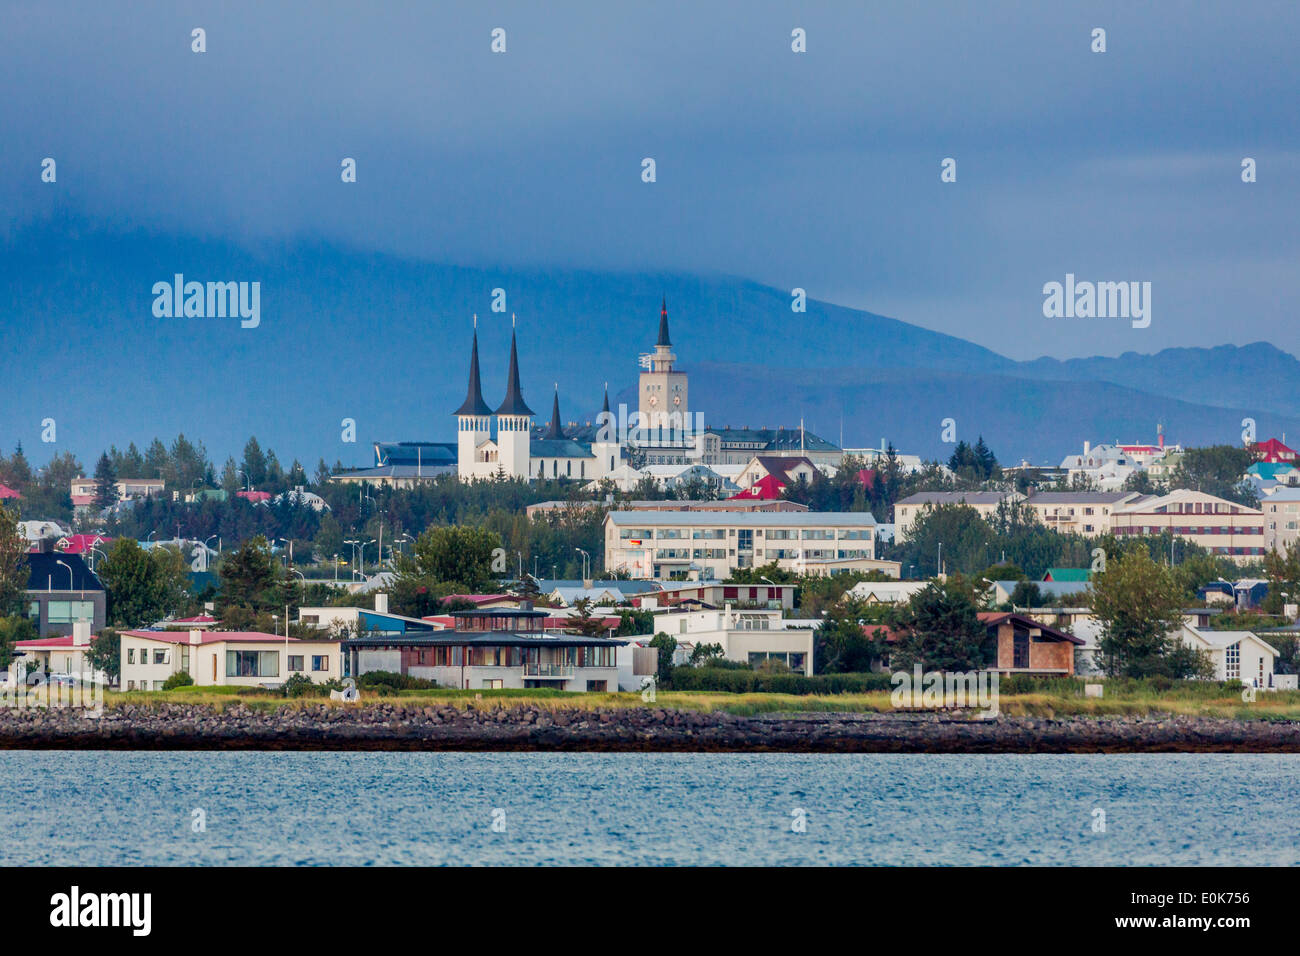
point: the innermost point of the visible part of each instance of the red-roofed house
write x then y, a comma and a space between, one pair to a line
223, 658
58, 654
767, 488
256, 497
82, 543
6, 492
786, 470
1273, 452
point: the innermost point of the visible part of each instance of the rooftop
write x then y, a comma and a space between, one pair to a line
748, 519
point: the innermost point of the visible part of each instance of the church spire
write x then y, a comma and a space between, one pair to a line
606, 408
514, 400
474, 404
663, 324
553, 430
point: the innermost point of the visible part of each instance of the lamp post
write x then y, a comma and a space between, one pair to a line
586, 558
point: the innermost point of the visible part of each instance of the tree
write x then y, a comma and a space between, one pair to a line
1138, 605
251, 578
143, 586
454, 554
12, 629
105, 653
702, 655
842, 645
666, 645
1217, 470
585, 623
105, 483
254, 464
940, 629
14, 568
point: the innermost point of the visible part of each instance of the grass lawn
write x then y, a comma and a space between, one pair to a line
1206, 701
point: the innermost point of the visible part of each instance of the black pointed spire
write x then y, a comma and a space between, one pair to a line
514, 400
553, 430
474, 404
663, 324
606, 410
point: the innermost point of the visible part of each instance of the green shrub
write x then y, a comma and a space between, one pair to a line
179, 679
300, 685
737, 681
374, 680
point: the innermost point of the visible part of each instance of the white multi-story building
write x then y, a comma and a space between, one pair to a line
1221, 527
750, 636
711, 545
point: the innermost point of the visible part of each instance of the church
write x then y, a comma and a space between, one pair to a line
662, 431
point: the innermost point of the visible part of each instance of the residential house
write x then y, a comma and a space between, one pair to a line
62, 590
1273, 452
492, 648
1028, 646
787, 470
66, 655
224, 658
1237, 655
748, 636
703, 595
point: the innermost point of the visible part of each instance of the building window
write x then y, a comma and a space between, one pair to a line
67, 612
160, 657
320, 662
252, 663
130, 655
1232, 661
598, 685
1020, 651
295, 663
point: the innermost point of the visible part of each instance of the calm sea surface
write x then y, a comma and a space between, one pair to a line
107, 808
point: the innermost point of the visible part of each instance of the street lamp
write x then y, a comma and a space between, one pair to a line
586, 558
71, 581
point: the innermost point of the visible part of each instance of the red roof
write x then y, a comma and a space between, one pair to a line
46, 642
767, 488
215, 637
890, 634
7, 492
1272, 451
201, 619
867, 478
254, 496
82, 543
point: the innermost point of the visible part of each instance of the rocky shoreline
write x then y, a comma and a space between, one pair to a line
385, 726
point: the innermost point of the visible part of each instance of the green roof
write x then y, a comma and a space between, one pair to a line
1067, 574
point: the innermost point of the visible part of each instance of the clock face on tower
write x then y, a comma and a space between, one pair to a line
654, 400
677, 399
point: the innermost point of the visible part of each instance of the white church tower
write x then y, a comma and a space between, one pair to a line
475, 451
514, 423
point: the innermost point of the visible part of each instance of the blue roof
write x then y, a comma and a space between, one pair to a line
46, 573
414, 453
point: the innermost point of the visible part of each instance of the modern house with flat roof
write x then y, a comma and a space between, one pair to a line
711, 545
748, 636
492, 648
61, 590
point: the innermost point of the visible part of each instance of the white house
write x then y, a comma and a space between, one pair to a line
749, 636
1237, 655
221, 658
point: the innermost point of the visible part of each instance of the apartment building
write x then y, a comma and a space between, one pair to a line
1281, 518
913, 506
1221, 527
711, 545
1079, 512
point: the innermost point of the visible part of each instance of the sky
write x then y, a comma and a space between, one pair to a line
818, 170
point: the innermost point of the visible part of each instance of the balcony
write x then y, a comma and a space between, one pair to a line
556, 671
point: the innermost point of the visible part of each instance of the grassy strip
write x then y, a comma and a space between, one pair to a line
1283, 705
